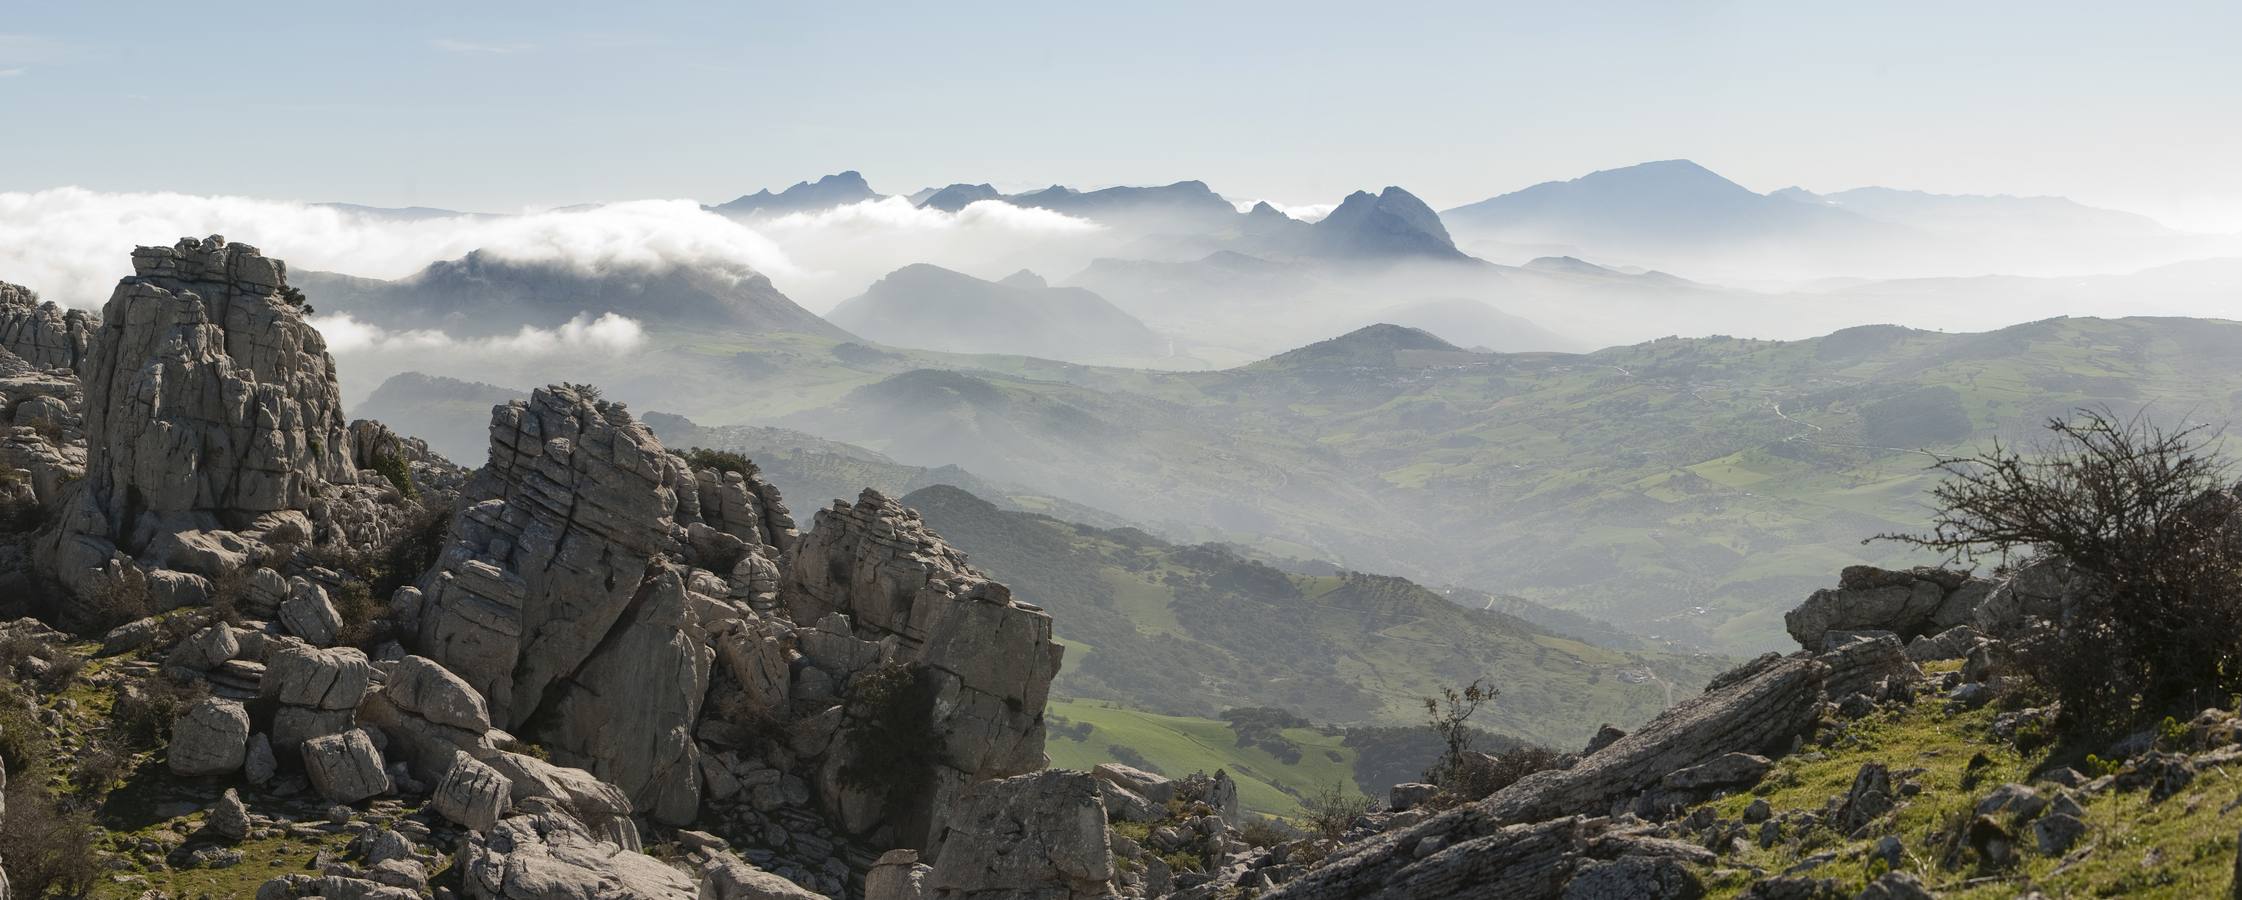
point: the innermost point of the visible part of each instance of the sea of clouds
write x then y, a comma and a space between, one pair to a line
72, 244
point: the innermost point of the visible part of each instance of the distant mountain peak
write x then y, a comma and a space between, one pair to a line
838, 189
1371, 346
1392, 222
1025, 278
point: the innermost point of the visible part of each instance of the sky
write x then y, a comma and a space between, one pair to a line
502, 107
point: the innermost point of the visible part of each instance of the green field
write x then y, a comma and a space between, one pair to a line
1181, 745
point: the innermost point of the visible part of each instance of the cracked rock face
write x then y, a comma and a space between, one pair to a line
549, 856
211, 406
558, 531
991, 658
43, 334
1758, 707
1031, 837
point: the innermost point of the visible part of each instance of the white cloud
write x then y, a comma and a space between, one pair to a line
72, 244
608, 334
842, 250
11, 73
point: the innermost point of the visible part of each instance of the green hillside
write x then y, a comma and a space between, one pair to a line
1195, 630
1689, 488
1180, 745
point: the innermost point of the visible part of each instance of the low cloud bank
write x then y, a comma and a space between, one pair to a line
72, 244
609, 334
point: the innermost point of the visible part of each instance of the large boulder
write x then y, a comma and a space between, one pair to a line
1030, 837
550, 856
429, 714
209, 737
472, 794
1908, 603
346, 767
568, 543
627, 713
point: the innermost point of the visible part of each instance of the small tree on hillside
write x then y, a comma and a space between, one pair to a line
2142, 511
1449, 717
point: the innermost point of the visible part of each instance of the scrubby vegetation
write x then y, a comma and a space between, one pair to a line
720, 460
2144, 517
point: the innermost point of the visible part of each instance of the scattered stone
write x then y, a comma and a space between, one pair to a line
2056, 832
1405, 797
228, 818
1896, 886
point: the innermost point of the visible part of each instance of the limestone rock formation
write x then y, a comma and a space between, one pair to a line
549, 856
210, 737
1758, 708
571, 542
1908, 603
346, 767
1030, 837
991, 658
211, 404
43, 334
316, 692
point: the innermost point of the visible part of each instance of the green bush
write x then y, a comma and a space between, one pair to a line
400, 475
895, 748
720, 460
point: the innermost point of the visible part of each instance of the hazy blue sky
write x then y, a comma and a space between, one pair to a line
502, 105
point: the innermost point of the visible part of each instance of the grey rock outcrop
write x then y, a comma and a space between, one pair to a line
472, 794
990, 658
43, 334
1030, 837
1909, 603
898, 875
550, 856
210, 403
567, 545
725, 876
316, 692
1758, 708
1866, 666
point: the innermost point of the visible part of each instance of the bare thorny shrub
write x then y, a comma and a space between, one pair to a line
2149, 516
1334, 809
1462, 775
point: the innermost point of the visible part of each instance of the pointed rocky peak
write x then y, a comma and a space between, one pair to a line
959, 196
1025, 278
839, 189
1390, 223
1571, 265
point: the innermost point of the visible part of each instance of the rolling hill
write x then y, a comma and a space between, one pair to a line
1194, 630
934, 308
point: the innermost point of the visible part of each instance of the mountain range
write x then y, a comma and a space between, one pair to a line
933, 308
